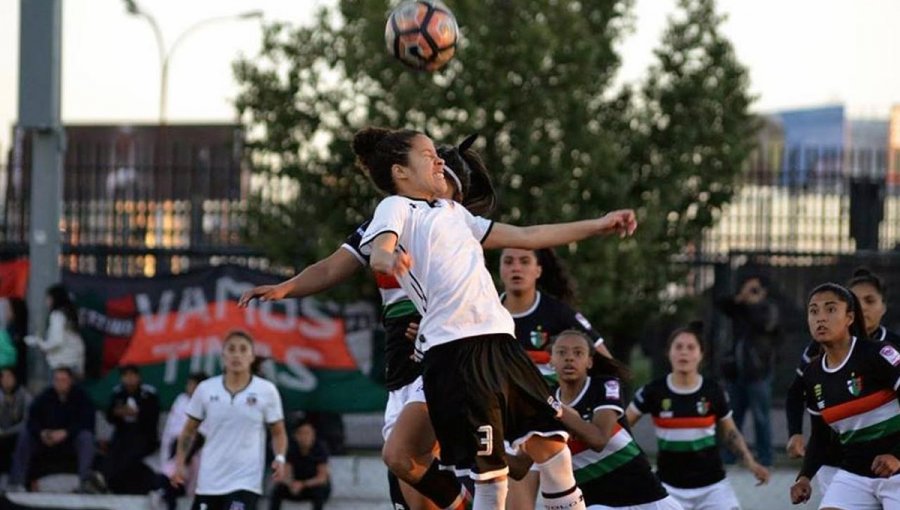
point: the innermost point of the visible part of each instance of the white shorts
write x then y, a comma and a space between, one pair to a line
397, 400
824, 476
853, 492
667, 503
718, 496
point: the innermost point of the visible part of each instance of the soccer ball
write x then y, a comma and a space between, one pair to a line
422, 34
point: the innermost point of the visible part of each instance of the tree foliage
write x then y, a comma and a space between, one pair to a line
535, 79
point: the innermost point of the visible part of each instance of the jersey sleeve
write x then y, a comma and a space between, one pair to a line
809, 391
196, 406
390, 216
576, 320
480, 227
720, 402
273, 411
608, 396
353, 244
886, 366
810, 352
643, 400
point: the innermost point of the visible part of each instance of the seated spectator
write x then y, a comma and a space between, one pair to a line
133, 412
307, 477
62, 345
60, 424
172, 429
14, 402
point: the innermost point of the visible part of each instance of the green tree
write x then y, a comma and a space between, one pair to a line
534, 77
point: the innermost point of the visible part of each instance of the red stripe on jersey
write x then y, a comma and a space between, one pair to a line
386, 281
698, 422
577, 446
857, 406
539, 357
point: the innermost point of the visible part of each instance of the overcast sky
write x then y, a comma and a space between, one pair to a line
800, 53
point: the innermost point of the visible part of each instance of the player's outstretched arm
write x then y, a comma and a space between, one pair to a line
502, 235
316, 278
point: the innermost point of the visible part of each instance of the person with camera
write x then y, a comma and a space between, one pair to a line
747, 367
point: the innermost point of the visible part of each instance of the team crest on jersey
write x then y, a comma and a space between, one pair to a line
612, 389
855, 384
538, 338
890, 354
703, 406
666, 404
251, 399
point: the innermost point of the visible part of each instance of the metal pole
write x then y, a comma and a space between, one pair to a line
40, 45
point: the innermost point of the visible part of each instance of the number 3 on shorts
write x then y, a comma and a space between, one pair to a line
486, 440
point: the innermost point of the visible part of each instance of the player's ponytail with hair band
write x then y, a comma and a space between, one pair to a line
379, 149
471, 176
857, 327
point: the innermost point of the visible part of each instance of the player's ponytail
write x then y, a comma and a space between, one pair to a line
379, 149
554, 279
471, 176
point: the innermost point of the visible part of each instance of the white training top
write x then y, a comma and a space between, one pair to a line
448, 281
234, 456
63, 345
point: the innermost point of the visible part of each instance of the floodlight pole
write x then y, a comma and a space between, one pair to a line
40, 55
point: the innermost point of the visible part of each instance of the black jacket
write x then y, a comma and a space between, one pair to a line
141, 431
754, 339
74, 414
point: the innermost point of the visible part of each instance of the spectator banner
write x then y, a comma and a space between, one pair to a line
14, 278
174, 325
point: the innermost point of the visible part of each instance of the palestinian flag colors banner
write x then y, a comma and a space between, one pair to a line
172, 326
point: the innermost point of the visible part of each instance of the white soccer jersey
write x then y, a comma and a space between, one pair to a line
234, 456
448, 281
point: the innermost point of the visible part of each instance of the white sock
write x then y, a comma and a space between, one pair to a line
558, 483
490, 495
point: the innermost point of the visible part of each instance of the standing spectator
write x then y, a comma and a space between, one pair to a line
307, 463
169, 443
63, 345
17, 328
60, 422
14, 402
134, 413
748, 367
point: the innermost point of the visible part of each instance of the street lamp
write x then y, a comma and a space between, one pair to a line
166, 56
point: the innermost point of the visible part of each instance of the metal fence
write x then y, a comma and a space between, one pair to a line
812, 200
139, 200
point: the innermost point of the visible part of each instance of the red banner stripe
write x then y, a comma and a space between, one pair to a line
318, 343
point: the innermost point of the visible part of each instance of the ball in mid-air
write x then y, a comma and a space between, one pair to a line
422, 34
